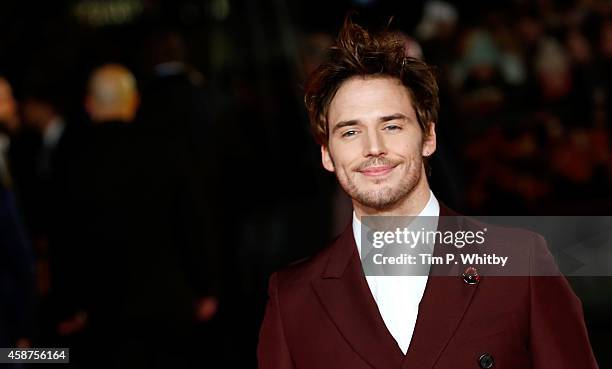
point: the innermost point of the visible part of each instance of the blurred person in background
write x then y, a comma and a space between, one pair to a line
97, 190
52, 147
9, 124
37, 159
174, 98
479, 76
17, 294
142, 244
41, 156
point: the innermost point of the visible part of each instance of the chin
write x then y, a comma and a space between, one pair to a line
380, 199
380, 188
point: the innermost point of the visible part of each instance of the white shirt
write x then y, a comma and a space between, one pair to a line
53, 132
398, 297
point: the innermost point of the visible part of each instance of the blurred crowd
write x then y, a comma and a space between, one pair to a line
153, 216
106, 234
527, 98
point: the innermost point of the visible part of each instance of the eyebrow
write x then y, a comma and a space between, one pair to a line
395, 116
354, 122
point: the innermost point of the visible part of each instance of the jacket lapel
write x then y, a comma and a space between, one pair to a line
344, 293
445, 301
346, 296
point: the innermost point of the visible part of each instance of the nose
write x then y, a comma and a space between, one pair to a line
374, 144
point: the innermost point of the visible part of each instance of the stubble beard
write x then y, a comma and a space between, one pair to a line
384, 197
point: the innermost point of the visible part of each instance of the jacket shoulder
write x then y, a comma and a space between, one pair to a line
304, 270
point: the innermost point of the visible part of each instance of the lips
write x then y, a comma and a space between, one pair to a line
377, 171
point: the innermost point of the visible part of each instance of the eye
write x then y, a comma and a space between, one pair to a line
350, 133
392, 127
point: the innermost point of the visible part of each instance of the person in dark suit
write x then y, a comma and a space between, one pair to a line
141, 236
373, 111
175, 100
40, 156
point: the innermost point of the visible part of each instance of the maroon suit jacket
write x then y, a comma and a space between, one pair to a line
321, 314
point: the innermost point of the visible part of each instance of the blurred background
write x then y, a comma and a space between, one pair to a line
156, 163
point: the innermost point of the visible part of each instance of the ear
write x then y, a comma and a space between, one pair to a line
326, 159
135, 101
429, 141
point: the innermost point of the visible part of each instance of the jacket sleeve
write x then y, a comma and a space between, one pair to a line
558, 335
272, 350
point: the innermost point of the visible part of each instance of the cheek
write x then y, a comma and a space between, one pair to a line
405, 147
345, 155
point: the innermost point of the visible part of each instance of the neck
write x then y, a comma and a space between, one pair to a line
411, 205
108, 116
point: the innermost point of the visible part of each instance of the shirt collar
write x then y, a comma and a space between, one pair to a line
431, 209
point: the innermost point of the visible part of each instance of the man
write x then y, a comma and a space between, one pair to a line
373, 110
41, 154
98, 197
140, 237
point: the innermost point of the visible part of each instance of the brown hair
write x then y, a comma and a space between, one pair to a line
359, 53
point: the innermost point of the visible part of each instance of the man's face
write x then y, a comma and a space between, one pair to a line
375, 143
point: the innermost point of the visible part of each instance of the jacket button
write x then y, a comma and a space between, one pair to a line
486, 361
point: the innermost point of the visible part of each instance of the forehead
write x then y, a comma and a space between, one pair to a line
361, 98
